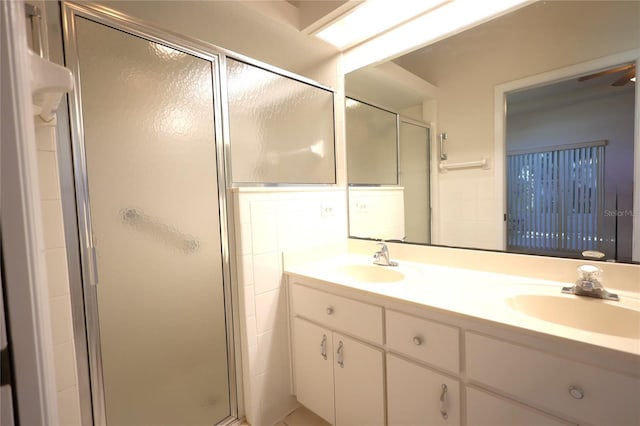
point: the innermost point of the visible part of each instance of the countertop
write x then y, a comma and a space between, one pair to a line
490, 296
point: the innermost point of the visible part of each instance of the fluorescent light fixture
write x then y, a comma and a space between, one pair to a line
372, 18
451, 18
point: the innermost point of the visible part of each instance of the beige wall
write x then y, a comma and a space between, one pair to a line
234, 26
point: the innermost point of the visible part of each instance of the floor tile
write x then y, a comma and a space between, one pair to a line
303, 417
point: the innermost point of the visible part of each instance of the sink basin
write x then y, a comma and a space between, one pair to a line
580, 312
371, 273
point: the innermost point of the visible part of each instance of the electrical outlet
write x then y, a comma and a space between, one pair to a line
326, 210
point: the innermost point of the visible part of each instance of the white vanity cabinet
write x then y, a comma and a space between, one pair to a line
484, 409
555, 384
417, 395
338, 377
313, 371
427, 341
368, 359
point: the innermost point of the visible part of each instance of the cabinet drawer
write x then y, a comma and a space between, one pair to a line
548, 381
417, 395
485, 409
360, 319
425, 340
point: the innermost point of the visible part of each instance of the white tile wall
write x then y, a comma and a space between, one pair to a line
468, 197
57, 276
269, 222
377, 208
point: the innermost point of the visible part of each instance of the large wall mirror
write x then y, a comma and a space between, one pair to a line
388, 174
533, 129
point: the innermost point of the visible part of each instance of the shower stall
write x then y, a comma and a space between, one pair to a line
148, 167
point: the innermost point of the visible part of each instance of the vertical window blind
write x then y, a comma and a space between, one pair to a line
555, 199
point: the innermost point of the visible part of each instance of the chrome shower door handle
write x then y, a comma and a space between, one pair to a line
94, 264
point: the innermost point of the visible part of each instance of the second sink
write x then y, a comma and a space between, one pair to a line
580, 312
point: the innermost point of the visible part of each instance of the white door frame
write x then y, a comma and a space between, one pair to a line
550, 77
25, 278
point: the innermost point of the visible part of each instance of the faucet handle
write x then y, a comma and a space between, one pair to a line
591, 274
589, 283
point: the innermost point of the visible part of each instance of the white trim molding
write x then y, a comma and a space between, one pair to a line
22, 231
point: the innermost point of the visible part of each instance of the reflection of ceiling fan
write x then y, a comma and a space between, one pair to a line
626, 77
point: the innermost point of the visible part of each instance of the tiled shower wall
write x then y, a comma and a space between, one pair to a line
469, 199
57, 276
377, 212
267, 223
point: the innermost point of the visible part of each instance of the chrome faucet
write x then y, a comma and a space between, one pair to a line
381, 257
589, 284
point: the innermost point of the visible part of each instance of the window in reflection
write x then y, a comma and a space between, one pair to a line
570, 148
556, 200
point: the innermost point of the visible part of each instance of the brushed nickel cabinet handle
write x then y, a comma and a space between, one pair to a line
444, 402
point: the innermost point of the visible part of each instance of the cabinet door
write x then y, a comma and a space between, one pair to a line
553, 383
359, 382
484, 409
417, 395
313, 352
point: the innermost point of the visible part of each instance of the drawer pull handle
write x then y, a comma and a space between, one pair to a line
340, 354
444, 402
576, 392
417, 340
323, 346
330, 310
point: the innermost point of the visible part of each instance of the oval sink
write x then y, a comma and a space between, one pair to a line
580, 312
371, 273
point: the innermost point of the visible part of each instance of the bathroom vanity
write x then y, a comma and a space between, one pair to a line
422, 344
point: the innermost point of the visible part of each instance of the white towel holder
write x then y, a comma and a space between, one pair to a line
482, 164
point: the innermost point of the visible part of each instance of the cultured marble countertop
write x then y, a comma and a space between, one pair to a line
486, 296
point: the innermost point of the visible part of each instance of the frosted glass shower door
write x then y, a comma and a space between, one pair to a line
414, 177
149, 141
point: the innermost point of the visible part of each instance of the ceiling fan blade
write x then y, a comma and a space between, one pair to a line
625, 78
609, 71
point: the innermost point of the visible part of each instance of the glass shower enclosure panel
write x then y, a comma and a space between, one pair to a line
413, 176
372, 144
280, 129
149, 141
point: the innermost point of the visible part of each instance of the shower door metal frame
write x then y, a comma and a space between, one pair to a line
84, 302
427, 126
